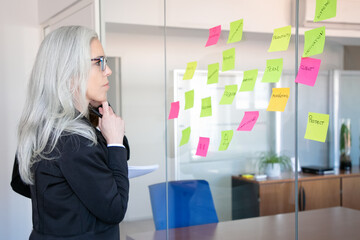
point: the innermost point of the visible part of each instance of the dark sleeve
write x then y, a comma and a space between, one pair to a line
127, 146
102, 188
17, 184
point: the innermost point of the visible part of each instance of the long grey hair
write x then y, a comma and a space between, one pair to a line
56, 94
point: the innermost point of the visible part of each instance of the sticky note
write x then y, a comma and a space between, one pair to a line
229, 94
314, 42
273, 70
226, 137
308, 71
202, 147
248, 121
174, 110
185, 136
236, 31
228, 59
206, 107
317, 126
214, 34
325, 9
249, 80
213, 73
278, 100
280, 40
189, 99
190, 70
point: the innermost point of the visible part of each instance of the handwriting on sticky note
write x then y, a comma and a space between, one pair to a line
236, 31
213, 73
185, 136
249, 80
308, 71
226, 137
189, 99
206, 107
273, 70
228, 59
279, 99
325, 9
214, 34
317, 126
174, 110
203, 146
190, 70
280, 40
314, 42
248, 121
229, 94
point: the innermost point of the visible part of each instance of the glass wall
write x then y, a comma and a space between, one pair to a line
208, 93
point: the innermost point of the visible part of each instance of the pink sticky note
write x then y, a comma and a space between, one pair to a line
174, 110
308, 71
214, 34
248, 121
203, 146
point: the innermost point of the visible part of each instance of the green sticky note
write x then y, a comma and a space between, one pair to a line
213, 73
273, 70
314, 42
317, 126
236, 31
229, 94
185, 136
228, 59
206, 107
249, 80
325, 9
226, 137
190, 70
280, 40
189, 99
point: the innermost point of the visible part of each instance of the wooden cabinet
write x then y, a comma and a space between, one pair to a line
351, 192
315, 194
251, 198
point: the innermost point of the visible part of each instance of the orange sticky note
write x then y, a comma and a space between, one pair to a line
278, 100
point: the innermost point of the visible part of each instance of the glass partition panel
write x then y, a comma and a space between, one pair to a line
207, 118
328, 137
224, 131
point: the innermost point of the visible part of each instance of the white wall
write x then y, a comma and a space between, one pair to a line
141, 49
19, 41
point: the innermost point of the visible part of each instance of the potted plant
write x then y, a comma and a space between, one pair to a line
345, 145
272, 163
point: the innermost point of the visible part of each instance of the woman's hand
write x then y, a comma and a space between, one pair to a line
111, 126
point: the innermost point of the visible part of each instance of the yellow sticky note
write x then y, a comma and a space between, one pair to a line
278, 100
213, 73
236, 31
226, 137
206, 107
229, 94
185, 136
190, 70
228, 59
189, 99
273, 70
325, 9
317, 126
280, 40
314, 42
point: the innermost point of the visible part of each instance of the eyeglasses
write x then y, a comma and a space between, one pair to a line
101, 61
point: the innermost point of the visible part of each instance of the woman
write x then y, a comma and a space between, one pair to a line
76, 176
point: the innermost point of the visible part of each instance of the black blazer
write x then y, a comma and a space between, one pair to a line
81, 194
